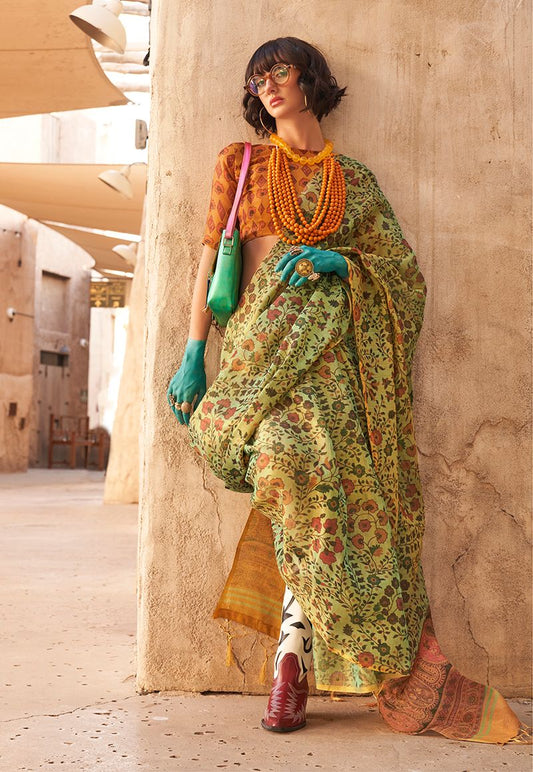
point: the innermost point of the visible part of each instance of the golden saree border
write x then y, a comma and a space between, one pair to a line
253, 593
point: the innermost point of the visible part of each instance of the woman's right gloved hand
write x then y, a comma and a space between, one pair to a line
189, 383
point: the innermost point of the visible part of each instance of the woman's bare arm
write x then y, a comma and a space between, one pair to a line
201, 320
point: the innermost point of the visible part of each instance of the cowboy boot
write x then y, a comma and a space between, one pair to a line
285, 711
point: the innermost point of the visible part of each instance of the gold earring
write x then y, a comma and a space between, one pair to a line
305, 100
268, 131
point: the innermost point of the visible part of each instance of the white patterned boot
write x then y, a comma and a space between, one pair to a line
285, 711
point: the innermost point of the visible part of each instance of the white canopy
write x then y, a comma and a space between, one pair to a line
72, 194
47, 64
62, 195
98, 246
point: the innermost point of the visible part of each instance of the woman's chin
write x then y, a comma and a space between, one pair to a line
284, 113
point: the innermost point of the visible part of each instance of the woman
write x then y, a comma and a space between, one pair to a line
312, 414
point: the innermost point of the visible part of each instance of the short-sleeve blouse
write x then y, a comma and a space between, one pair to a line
253, 213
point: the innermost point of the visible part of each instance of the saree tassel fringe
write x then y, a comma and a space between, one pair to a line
263, 671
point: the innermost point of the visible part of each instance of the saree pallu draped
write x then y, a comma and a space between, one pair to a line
311, 413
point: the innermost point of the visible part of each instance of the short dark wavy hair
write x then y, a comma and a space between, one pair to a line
316, 81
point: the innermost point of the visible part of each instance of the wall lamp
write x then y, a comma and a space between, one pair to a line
11, 313
100, 22
119, 180
127, 251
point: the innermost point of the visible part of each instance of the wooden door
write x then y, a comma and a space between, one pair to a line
52, 392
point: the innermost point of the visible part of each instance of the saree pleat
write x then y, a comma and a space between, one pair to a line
311, 414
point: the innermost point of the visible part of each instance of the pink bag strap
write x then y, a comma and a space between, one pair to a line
230, 227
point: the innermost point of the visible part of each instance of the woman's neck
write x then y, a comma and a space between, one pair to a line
304, 133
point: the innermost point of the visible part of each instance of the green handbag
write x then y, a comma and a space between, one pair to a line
223, 282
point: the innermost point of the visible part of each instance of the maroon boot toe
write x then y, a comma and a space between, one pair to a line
285, 711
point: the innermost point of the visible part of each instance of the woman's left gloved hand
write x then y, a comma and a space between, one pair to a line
323, 262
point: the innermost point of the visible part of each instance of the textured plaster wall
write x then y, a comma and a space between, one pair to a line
439, 108
17, 287
45, 276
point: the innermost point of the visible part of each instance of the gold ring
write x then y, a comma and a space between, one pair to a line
295, 251
304, 267
185, 407
313, 276
172, 399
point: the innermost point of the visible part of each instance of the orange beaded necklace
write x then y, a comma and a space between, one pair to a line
283, 199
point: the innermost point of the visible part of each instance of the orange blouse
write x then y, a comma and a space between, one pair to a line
254, 209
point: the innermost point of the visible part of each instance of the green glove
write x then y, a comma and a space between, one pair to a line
323, 261
189, 383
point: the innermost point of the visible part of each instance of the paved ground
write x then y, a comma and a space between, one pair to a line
67, 664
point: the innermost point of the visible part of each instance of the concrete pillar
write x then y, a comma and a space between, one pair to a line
436, 107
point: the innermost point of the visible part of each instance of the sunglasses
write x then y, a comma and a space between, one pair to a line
279, 73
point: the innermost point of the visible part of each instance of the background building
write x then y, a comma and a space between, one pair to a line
49, 164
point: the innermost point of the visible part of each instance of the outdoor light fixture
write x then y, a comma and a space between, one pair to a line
100, 22
119, 180
127, 251
141, 134
11, 313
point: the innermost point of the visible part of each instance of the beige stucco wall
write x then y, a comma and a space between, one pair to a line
17, 288
47, 277
438, 108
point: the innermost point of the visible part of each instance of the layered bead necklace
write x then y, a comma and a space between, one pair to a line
285, 209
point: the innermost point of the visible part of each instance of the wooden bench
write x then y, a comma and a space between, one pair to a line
73, 432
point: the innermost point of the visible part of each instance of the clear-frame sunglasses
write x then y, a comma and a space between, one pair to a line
279, 73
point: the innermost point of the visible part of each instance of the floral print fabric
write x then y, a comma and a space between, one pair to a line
311, 414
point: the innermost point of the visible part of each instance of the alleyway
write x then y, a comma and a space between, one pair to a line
67, 664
